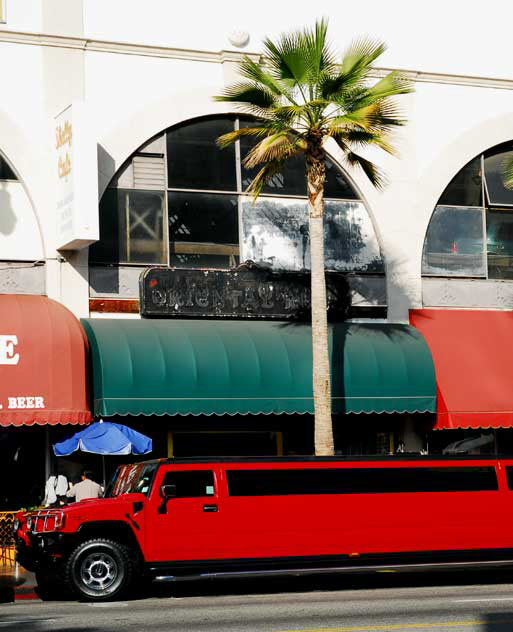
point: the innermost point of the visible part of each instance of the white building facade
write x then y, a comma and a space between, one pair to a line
140, 78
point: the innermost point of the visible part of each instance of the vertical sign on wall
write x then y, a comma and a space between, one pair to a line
76, 169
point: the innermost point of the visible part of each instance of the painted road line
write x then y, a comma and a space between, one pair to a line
107, 605
483, 599
403, 626
25, 621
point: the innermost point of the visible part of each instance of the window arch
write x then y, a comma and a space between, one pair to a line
6, 173
471, 230
179, 200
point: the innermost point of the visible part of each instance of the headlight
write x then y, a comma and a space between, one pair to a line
29, 522
15, 526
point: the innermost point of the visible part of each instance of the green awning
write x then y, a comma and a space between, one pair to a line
193, 367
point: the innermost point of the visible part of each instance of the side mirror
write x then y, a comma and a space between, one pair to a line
168, 491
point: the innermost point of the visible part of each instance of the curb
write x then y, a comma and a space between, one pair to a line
24, 588
17, 584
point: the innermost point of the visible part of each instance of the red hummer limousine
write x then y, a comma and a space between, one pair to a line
173, 519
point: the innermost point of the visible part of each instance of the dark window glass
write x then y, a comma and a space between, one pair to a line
203, 217
494, 172
194, 161
191, 484
349, 239
336, 185
107, 249
203, 230
6, 173
454, 244
499, 243
131, 228
509, 475
292, 179
465, 188
180, 259
360, 481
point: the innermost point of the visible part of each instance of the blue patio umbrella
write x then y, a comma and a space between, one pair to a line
105, 438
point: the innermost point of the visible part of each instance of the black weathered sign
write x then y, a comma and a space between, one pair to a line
244, 292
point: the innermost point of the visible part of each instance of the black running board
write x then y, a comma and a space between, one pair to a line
297, 572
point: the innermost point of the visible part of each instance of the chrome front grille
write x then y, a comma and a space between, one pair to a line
45, 521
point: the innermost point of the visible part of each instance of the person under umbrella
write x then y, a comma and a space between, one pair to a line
87, 488
105, 438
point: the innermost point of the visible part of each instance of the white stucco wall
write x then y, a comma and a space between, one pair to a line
23, 15
437, 36
133, 94
20, 238
120, 88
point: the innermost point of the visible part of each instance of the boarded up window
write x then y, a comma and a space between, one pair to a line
276, 234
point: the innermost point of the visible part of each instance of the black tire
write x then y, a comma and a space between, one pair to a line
100, 570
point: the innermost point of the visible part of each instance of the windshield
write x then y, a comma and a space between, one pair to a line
128, 479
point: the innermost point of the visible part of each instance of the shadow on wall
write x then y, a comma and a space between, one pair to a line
106, 168
401, 288
7, 216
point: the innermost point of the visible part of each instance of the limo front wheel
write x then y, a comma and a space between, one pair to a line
99, 570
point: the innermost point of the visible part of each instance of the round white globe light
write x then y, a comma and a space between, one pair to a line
238, 38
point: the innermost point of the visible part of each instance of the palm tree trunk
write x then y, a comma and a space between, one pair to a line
316, 175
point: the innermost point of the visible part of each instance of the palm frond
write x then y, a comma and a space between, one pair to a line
286, 59
353, 73
333, 87
228, 139
266, 173
298, 93
358, 58
363, 138
258, 74
378, 116
374, 174
390, 85
273, 147
289, 113
248, 94
319, 56
384, 115
508, 173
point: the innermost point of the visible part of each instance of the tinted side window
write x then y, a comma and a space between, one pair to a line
509, 476
191, 484
360, 480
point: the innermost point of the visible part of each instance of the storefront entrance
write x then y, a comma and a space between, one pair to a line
43, 385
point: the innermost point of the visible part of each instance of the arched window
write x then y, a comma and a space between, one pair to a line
6, 173
179, 200
471, 230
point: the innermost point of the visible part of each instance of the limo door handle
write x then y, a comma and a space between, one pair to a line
211, 508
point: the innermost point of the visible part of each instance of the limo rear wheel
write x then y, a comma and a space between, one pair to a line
100, 570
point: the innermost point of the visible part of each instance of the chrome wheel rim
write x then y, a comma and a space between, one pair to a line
98, 571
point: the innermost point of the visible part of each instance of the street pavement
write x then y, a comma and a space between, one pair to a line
410, 603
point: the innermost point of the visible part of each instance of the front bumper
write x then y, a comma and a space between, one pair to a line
41, 550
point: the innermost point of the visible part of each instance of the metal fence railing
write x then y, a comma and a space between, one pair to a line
7, 552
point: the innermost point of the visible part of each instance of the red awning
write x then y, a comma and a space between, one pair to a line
473, 357
43, 360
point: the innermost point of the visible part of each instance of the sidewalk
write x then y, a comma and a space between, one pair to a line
16, 583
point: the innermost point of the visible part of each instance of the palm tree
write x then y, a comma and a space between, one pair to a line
508, 173
300, 97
